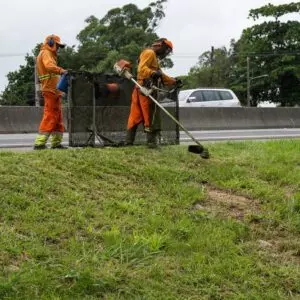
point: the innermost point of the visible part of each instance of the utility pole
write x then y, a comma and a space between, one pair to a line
248, 82
36, 86
212, 64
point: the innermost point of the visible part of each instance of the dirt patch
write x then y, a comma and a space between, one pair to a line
10, 263
283, 249
272, 242
230, 205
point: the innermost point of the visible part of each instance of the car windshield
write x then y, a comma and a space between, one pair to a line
183, 94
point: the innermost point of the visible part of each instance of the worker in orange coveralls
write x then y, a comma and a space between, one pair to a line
49, 74
143, 109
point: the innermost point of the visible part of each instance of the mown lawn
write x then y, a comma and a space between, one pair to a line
133, 223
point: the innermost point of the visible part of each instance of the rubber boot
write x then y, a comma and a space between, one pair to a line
152, 140
130, 136
56, 139
40, 142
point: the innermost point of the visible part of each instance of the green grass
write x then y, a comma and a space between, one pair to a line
133, 223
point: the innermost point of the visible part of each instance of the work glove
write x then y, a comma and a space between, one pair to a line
157, 74
63, 72
68, 71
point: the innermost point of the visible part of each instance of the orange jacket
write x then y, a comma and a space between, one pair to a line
48, 71
148, 64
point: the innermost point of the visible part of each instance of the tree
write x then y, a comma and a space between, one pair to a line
212, 70
20, 89
274, 50
121, 33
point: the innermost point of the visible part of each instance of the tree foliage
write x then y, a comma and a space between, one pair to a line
20, 89
275, 11
122, 33
273, 47
274, 50
212, 70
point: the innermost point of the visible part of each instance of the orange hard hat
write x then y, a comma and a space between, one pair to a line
53, 39
162, 41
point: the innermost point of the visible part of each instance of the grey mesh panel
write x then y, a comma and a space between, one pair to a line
112, 112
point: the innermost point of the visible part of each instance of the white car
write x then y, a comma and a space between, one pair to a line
266, 104
208, 97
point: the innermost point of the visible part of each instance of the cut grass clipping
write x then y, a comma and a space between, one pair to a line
135, 223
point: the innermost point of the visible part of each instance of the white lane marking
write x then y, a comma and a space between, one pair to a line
242, 137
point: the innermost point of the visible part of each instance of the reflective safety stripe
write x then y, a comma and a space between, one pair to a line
47, 76
56, 139
41, 139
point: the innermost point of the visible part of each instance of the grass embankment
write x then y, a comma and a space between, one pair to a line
143, 224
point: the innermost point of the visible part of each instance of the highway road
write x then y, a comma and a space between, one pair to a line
26, 140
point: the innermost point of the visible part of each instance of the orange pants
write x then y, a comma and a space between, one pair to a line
139, 110
52, 118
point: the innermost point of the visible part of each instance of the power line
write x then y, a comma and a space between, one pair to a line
187, 55
5, 55
260, 54
265, 54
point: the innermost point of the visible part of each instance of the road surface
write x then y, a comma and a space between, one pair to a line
26, 140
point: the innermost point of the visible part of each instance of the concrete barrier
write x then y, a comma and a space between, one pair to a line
17, 119
218, 118
22, 119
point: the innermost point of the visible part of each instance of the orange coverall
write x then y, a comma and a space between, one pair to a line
140, 110
49, 75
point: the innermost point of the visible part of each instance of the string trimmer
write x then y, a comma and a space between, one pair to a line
122, 68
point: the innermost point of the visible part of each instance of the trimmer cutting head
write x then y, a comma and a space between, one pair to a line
199, 150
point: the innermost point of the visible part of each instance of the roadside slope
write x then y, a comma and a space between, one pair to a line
139, 224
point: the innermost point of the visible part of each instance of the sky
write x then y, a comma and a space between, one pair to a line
194, 26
